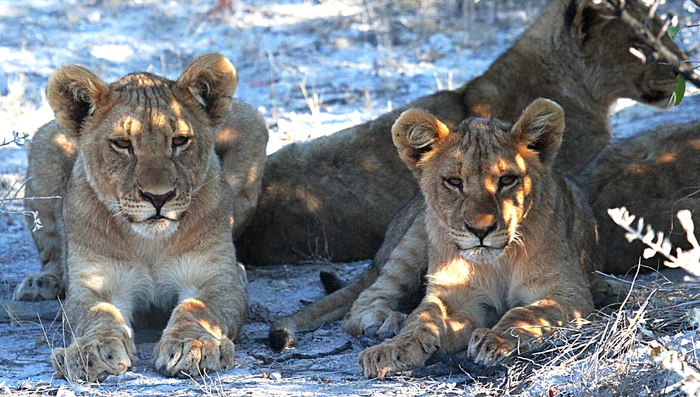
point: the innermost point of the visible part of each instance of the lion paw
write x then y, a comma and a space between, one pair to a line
39, 287
384, 323
184, 356
390, 357
93, 358
486, 346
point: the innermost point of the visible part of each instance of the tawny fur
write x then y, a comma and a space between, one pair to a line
148, 214
654, 175
511, 246
335, 196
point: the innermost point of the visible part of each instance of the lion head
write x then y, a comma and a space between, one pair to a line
145, 143
616, 59
481, 178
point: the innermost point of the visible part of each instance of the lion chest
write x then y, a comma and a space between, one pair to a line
151, 273
484, 292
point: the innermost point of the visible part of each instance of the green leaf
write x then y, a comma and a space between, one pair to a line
679, 91
672, 32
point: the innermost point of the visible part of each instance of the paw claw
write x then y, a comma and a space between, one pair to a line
93, 358
187, 357
39, 287
486, 347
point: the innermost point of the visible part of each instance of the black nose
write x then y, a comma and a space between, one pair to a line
157, 200
480, 233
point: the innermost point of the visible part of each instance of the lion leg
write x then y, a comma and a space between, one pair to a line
329, 308
47, 179
522, 327
428, 329
210, 314
98, 318
375, 312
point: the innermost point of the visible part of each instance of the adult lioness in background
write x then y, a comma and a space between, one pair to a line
336, 195
240, 145
511, 245
654, 174
148, 216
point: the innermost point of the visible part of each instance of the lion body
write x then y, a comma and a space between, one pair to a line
511, 246
653, 175
147, 213
334, 197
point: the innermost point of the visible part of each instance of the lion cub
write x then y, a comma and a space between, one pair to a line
511, 246
148, 216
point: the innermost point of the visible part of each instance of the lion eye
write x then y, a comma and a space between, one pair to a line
454, 182
507, 180
121, 143
180, 140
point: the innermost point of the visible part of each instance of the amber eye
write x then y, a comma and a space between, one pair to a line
454, 182
180, 140
121, 143
507, 180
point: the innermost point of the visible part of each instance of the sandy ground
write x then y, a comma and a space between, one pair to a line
359, 62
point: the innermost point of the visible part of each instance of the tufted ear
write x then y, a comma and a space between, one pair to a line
585, 17
415, 133
211, 80
74, 93
541, 127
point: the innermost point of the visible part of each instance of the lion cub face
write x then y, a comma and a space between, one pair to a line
480, 178
146, 142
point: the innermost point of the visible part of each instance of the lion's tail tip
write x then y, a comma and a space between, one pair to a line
280, 338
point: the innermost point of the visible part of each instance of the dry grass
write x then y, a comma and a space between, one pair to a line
629, 350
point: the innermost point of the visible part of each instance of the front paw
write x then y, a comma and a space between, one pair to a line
93, 358
392, 356
486, 346
184, 356
382, 323
39, 287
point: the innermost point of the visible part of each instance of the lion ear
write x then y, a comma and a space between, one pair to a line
585, 17
74, 93
541, 127
211, 80
415, 133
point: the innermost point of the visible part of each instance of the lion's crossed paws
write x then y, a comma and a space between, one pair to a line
486, 346
184, 356
94, 357
39, 287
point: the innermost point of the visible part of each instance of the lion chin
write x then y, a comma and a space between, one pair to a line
481, 254
155, 228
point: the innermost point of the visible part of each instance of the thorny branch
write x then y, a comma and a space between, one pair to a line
661, 52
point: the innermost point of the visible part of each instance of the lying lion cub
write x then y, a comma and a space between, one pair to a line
148, 217
510, 244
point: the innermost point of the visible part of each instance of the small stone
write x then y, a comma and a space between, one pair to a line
275, 376
64, 391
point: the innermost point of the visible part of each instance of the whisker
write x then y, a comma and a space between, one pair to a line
215, 177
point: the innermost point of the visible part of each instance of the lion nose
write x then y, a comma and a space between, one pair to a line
480, 233
157, 200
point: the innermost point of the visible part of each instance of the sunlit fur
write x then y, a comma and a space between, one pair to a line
146, 214
509, 245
